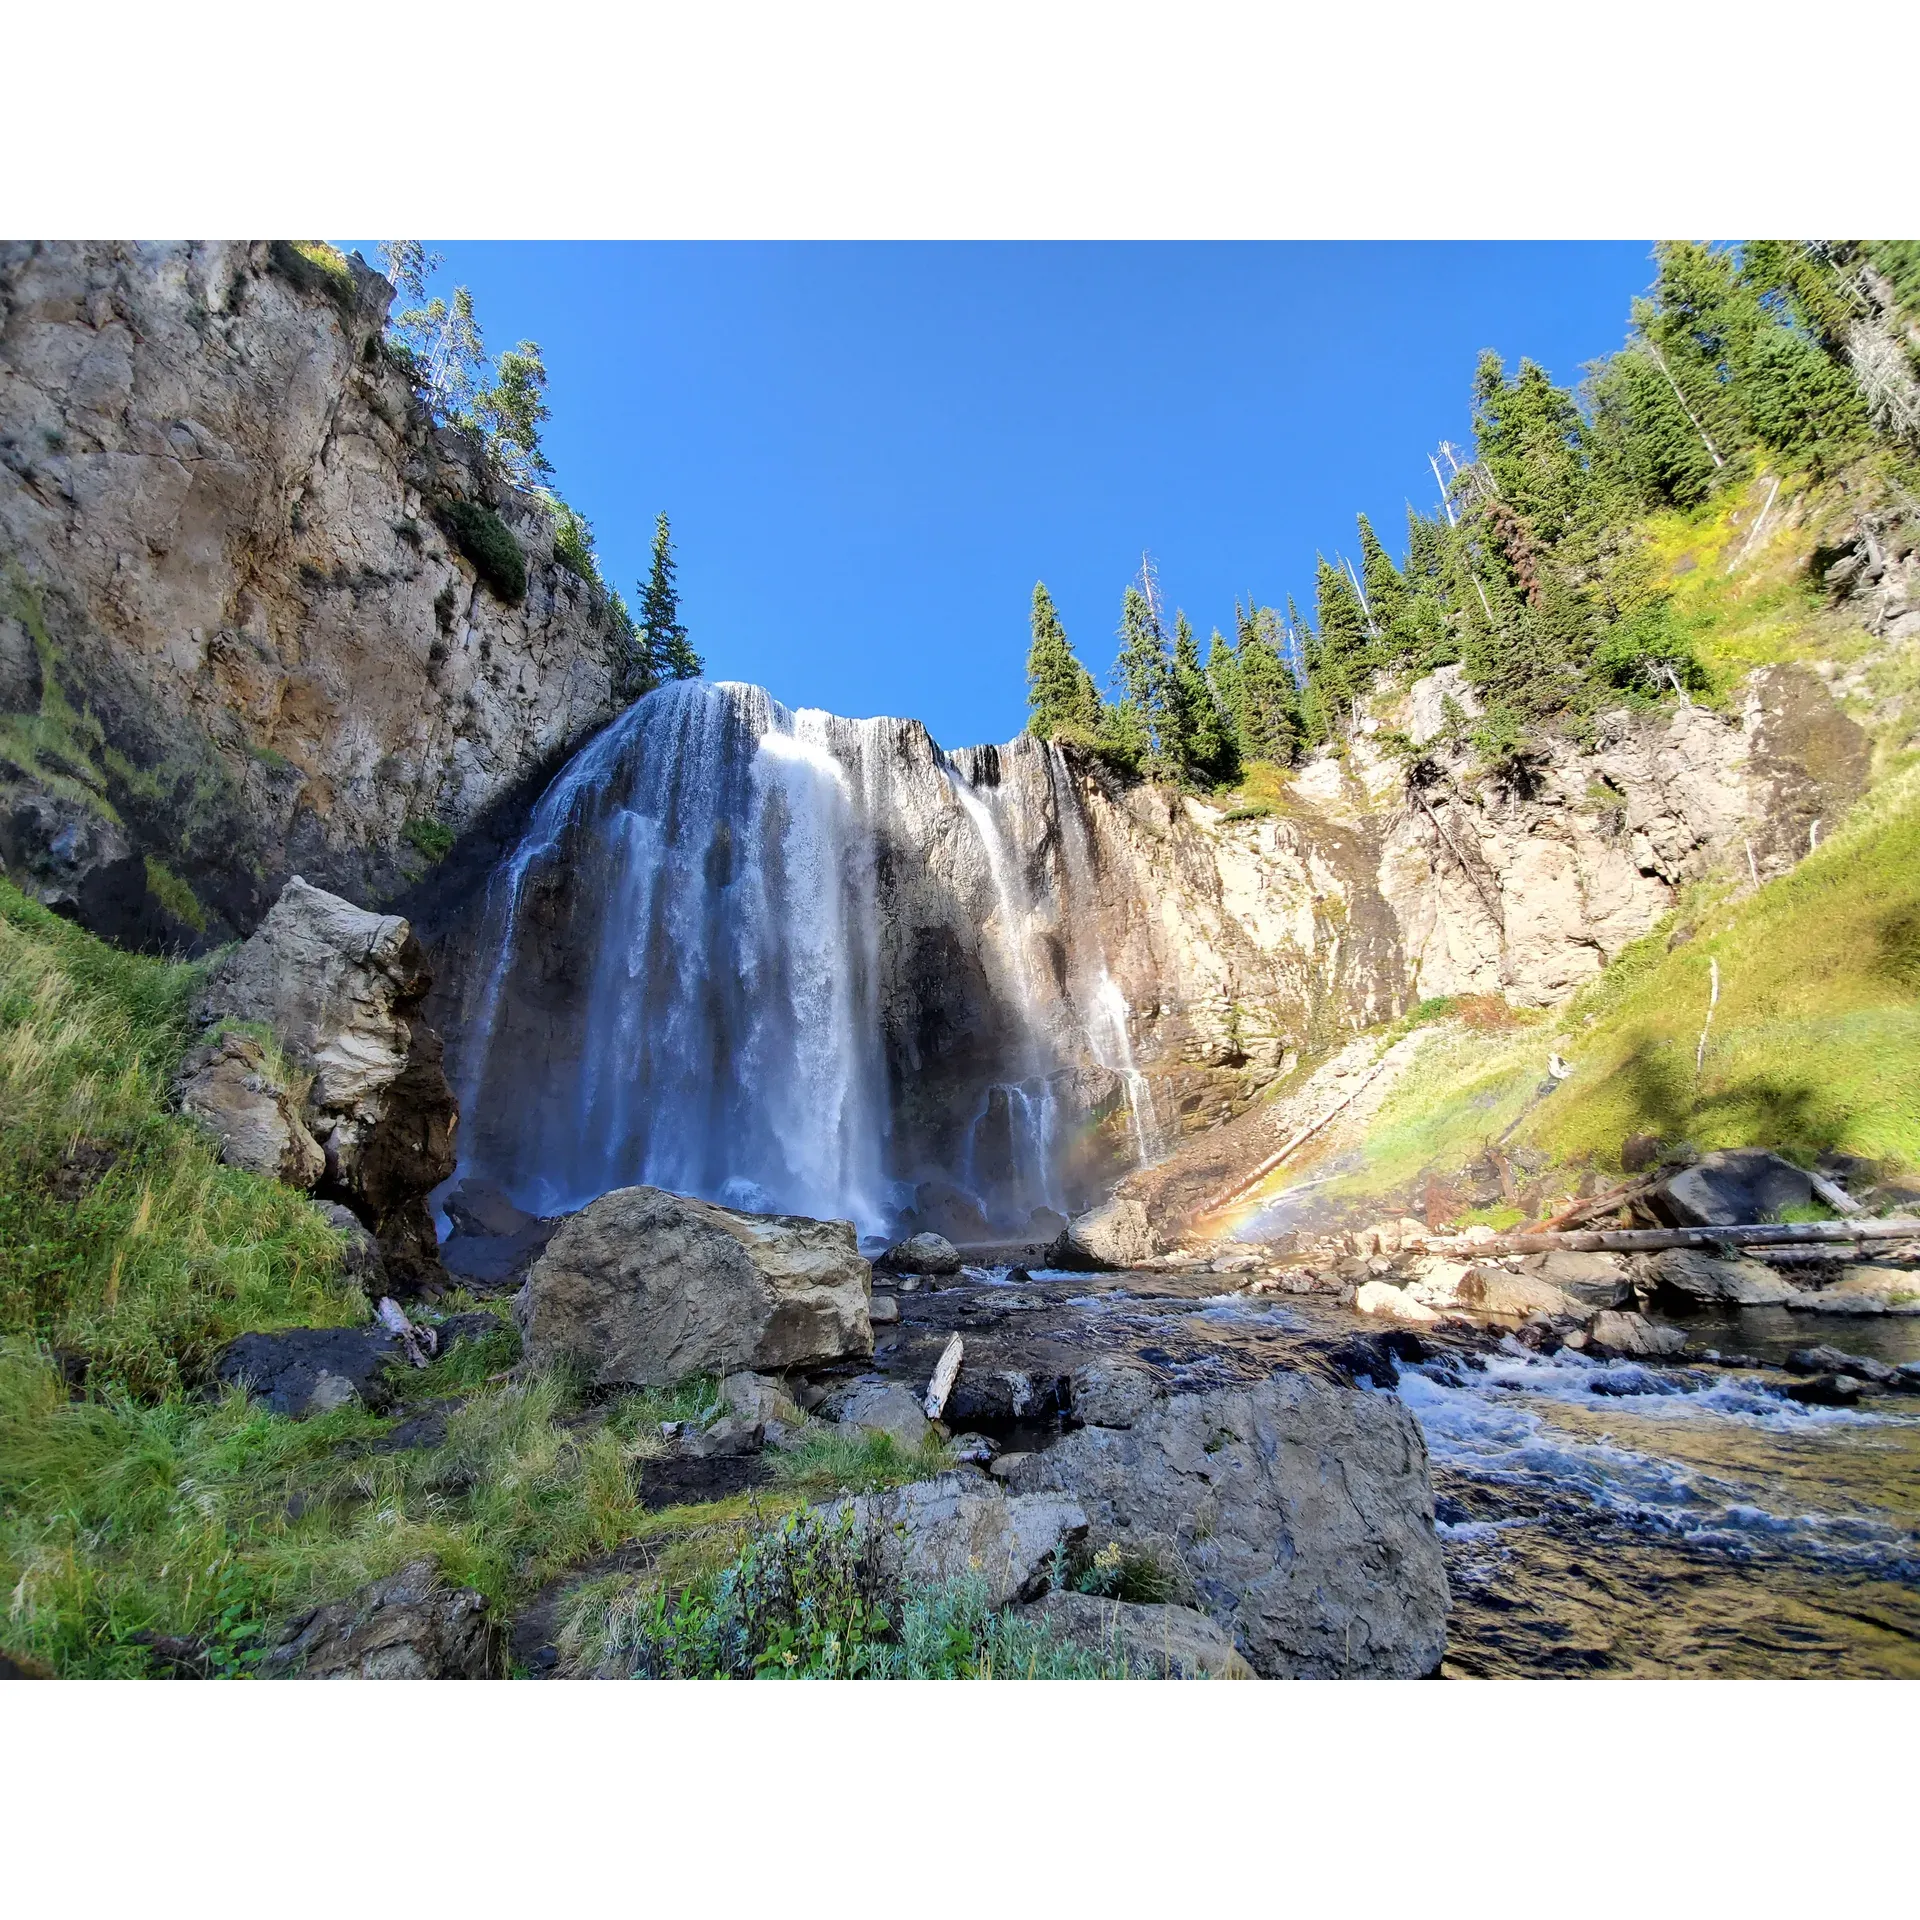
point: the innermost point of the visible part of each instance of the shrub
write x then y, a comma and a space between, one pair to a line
431, 839
483, 538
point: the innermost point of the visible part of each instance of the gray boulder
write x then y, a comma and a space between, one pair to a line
408, 1626
1517, 1296
1300, 1513
1111, 1393
360, 1259
308, 1370
1118, 1233
1633, 1336
927, 1253
1735, 1187
1688, 1274
880, 1406
959, 1523
1598, 1279
340, 988
753, 1397
1864, 1290
1157, 1642
227, 1085
645, 1287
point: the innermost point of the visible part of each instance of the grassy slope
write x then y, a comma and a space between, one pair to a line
1815, 1044
139, 1502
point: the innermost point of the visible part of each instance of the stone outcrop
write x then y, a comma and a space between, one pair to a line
644, 1287
340, 989
227, 1084
239, 633
960, 1523
1733, 1187
1298, 1514
409, 1626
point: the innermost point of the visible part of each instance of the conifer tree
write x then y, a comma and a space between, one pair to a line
1345, 652
1269, 699
1223, 674
1387, 599
669, 655
1144, 676
1204, 741
1060, 691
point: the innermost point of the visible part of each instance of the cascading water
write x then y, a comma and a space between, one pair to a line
792, 963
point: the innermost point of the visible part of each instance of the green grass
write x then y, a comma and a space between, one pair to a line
431, 839
1814, 1046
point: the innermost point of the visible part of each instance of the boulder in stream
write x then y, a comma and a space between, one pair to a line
644, 1287
1688, 1274
1298, 1513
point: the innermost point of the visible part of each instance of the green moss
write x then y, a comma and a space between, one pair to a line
316, 267
175, 895
483, 537
57, 745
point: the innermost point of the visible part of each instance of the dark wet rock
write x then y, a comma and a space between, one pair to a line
922, 1253
984, 1392
1301, 1513
1688, 1276
1832, 1360
959, 1523
1736, 1186
972, 1449
360, 1260
1160, 1642
308, 1370
493, 1243
680, 1480
1831, 1390
1111, 1393
1374, 1359
409, 1626
459, 1328
644, 1287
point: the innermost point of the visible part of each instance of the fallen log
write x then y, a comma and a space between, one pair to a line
944, 1374
1600, 1203
1652, 1239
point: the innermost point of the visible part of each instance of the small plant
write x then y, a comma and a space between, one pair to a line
431, 839
1114, 1573
175, 895
484, 539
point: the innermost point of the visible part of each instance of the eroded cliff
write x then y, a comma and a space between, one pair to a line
239, 636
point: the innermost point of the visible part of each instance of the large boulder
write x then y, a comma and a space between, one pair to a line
1634, 1336
1687, 1274
1157, 1642
1300, 1515
339, 989
1864, 1290
929, 1253
1120, 1233
1517, 1296
959, 1523
1111, 1393
644, 1287
409, 1626
880, 1406
1600, 1279
227, 1084
1735, 1187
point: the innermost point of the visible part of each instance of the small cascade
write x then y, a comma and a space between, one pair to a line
1105, 1025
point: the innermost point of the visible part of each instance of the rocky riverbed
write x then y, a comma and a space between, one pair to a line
1597, 1516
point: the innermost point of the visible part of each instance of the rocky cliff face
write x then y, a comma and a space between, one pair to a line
237, 633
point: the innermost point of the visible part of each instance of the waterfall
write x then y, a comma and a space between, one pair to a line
788, 962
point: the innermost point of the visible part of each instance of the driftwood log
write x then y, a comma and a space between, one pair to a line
1651, 1239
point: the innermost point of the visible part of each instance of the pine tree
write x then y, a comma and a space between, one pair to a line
1223, 674
1531, 438
669, 656
1386, 595
511, 413
1060, 691
1204, 744
1143, 675
1269, 699
1428, 602
1345, 660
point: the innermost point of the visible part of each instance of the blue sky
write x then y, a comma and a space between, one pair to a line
871, 452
